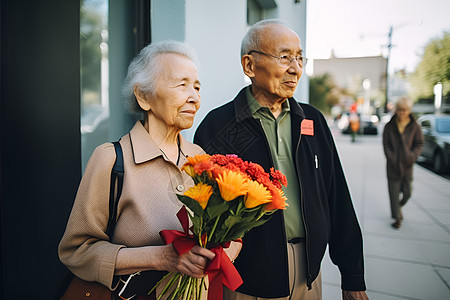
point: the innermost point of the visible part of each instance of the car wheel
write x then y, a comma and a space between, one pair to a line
438, 162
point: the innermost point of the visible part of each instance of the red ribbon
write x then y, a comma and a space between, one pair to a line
220, 270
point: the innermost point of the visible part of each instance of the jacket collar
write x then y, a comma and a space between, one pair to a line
145, 149
394, 119
242, 109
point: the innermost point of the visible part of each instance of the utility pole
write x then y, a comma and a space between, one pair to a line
389, 46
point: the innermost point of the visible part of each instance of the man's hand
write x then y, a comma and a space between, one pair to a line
352, 295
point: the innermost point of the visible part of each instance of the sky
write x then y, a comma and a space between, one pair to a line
354, 28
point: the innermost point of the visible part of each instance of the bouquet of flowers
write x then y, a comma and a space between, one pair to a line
230, 197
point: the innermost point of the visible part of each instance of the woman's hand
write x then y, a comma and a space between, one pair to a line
191, 263
352, 295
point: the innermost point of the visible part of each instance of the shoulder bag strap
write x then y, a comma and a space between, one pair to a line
116, 177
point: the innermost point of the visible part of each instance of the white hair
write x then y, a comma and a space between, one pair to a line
252, 38
404, 102
144, 70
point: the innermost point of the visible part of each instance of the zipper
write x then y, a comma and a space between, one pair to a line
302, 205
283, 226
272, 164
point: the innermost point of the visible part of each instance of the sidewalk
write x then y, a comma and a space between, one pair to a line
410, 263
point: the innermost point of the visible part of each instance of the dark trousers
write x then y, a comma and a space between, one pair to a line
297, 279
399, 194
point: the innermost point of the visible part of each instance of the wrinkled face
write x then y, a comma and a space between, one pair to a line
270, 77
403, 112
177, 94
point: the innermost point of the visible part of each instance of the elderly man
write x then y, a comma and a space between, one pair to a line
402, 143
264, 124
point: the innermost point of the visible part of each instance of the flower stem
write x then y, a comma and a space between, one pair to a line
214, 228
200, 288
180, 285
169, 284
200, 232
261, 213
239, 208
185, 288
224, 237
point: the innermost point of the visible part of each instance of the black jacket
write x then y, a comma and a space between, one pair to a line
327, 209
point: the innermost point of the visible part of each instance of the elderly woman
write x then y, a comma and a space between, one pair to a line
163, 83
402, 142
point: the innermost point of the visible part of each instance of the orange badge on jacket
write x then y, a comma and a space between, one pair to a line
307, 127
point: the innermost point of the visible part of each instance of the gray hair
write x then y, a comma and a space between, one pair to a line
252, 38
144, 70
404, 102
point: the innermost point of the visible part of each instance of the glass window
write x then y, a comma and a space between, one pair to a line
443, 125
94, 76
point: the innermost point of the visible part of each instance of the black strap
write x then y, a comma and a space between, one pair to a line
116, 176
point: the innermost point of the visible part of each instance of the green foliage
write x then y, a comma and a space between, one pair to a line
434, 68
91, 26
192, 204
323, 92
223, 220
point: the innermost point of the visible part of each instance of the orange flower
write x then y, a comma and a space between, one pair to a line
189, 169
231, 185
216, 170
200, 193
193, 160
278, 200
257, 194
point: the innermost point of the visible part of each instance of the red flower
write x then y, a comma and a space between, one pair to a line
219, 159
203, 166
256, 172
278, 178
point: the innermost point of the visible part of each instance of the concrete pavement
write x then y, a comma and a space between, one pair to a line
412, 262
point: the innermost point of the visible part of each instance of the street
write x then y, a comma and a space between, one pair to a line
412, 262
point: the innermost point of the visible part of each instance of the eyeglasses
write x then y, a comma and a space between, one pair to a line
285, 60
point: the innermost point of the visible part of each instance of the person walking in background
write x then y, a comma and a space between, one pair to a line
354, 124
264, 124
402, 143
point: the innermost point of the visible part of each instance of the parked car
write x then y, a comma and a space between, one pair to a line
436, 131
367, 124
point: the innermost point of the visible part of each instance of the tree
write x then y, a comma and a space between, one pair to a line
323, 92
91, 26
434, 68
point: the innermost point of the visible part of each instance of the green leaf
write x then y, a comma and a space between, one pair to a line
197, 224
231, 221
216, 206
193, 205
241, 228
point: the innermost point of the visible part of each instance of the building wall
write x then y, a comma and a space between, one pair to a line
350, 74
40, 141
215, 29
346, 71
295, 15
168, 20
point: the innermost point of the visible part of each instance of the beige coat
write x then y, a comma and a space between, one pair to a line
148, 204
